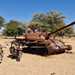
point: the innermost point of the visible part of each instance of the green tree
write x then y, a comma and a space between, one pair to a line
41, 20
69, 30
2, 21
13, 28
55, 20
51, 21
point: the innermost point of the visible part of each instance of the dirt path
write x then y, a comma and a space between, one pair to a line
62, 64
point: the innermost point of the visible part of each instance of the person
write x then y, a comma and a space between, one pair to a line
18, 52
1, 54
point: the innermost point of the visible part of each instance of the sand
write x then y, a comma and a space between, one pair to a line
61, 64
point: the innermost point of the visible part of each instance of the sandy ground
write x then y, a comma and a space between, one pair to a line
62, 64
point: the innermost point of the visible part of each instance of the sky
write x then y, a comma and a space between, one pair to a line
23, 10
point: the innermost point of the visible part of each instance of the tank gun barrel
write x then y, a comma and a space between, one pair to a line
62, 28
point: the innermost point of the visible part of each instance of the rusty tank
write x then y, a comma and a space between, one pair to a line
41, 43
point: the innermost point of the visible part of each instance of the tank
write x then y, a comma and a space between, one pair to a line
42, 43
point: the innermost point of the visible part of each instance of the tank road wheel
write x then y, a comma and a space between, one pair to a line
50, 50
39, 50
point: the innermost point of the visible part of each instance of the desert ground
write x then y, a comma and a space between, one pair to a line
61, 64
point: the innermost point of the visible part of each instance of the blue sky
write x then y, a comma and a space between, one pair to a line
24, 9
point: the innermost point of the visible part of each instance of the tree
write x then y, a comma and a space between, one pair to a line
41, 20
2, 21
50, 21
55, 20
69, 30
13, 28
